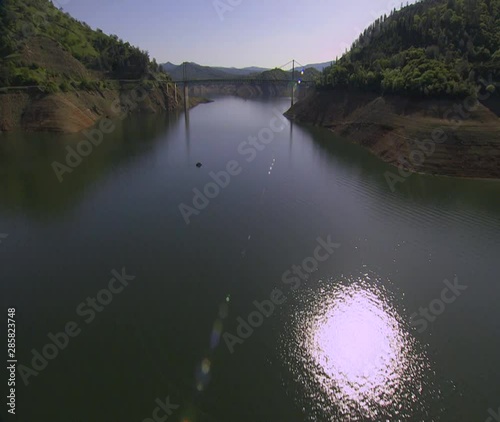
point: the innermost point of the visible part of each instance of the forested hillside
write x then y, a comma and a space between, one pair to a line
431, 48
41, 45
309, 74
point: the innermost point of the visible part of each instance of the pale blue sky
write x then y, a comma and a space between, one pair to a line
265, 33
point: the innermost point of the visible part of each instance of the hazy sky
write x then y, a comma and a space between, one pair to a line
238, 33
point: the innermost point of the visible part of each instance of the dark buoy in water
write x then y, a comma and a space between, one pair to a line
198, 165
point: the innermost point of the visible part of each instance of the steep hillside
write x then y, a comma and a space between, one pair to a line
431, 48
56, 73
419, 89
41, 45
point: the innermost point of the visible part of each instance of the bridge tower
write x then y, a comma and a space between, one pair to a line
293, 79
186, 91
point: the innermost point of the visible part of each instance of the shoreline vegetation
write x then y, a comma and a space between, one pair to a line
420, 88
59, 75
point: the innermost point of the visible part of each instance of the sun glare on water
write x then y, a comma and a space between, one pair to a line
351, 352
359, 348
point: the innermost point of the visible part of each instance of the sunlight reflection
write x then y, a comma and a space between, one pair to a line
359, 347
353, 354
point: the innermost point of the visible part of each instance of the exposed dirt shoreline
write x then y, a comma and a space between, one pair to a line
34, 111
456, 138
245, 90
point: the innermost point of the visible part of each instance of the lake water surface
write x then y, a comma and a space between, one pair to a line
338, 343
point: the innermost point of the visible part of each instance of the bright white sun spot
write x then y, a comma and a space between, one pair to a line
358, 346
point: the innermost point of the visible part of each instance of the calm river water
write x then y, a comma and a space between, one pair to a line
372, 305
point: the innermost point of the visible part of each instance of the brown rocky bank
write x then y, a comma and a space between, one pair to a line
396, 128
239, 89
247, 90
33, 110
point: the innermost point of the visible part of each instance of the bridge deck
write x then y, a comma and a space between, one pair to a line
255, 81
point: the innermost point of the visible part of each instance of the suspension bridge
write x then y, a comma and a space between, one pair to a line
296, 79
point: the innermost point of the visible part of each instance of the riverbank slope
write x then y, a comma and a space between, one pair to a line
58, 74
435, 136
34, 111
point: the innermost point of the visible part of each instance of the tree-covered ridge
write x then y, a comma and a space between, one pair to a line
31, 26
431, 48
277, 74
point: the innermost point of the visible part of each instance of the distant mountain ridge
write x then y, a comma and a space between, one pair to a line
196, 71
